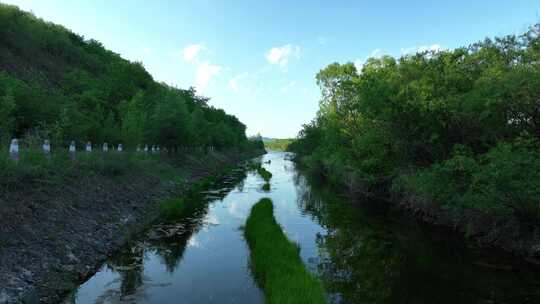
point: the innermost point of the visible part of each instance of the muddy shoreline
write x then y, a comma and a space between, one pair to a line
53, 238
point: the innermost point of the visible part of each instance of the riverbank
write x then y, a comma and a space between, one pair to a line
54, 235
506, 233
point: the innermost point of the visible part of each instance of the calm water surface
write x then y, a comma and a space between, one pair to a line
362, 255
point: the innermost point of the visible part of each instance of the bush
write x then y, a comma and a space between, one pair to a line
508, 180
505, 180
456, 127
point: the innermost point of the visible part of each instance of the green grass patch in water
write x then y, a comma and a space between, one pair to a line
276, 262
265, 174
266, 187
257, 166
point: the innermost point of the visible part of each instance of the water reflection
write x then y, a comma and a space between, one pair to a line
124, 273
363, 254
371, 257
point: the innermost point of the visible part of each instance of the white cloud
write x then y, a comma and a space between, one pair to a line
212, 220
205, 72
238, 210
234, 82
321, 40
359, 63
284, 89
190, 52
420, 49
281, 55
147, 50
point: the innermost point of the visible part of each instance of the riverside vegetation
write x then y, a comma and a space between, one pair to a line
276, 262
458, 129
57, 85
57, 229
60, 216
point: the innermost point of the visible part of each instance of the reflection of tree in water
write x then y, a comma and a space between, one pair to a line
289, 166
167, 240
171, 241
129, 264
371, 259
240, 186
357, 262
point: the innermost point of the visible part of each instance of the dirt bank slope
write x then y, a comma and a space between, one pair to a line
53, 236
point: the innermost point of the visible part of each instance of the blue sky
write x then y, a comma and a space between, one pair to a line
258, 59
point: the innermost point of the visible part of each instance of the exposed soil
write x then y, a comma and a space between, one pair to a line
52, 238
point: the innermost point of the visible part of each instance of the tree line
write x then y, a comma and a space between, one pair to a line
58, 85
455, 127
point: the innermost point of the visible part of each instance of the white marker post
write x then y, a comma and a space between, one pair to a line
146, 149
138, 148
14, 149
153, 149
88, 147
47, 148
120, 148
105, 147
72, 150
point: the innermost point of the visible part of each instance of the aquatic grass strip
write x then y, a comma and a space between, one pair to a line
276, 262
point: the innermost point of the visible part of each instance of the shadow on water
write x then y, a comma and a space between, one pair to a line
370, 254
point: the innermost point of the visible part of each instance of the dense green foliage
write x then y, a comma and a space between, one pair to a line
276, 262
457, 127
278, 144
58, 85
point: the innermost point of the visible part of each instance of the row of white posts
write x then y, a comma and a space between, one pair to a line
14, 148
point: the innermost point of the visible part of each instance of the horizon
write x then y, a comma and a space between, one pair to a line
264, 73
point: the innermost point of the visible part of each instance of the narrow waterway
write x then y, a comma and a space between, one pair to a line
362, 255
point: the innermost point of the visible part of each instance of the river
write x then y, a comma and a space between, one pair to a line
362, 254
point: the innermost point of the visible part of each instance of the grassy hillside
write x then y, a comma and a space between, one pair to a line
56, 84
278, 144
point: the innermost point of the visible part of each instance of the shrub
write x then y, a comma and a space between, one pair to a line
505, 180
